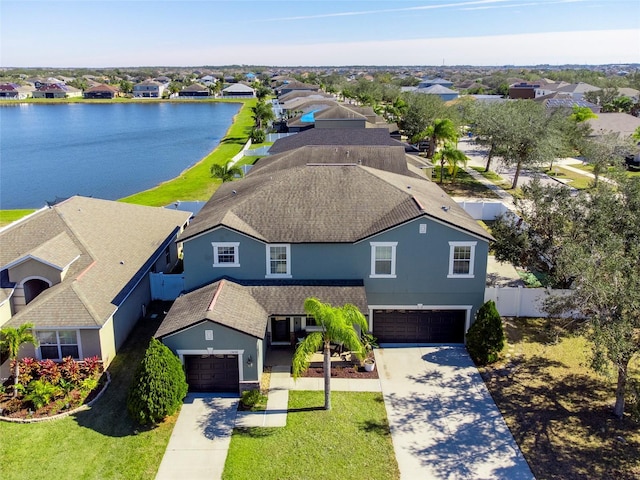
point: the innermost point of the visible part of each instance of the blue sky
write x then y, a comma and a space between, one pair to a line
111, 33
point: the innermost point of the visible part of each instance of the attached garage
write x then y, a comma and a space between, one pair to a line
419, 326
212, 373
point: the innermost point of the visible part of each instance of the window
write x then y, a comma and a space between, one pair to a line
58, 344
226, 254
461, 259
279, 260
383, 259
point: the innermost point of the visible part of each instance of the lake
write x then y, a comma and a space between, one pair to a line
102, 150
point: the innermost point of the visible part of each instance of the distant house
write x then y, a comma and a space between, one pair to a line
238, 90
79, 271
295, 86
430, 82
523, 90
443, 92
577, 90
13, 91
56, 91
148, 89
194, 90
102, 91
621, 123
566, 101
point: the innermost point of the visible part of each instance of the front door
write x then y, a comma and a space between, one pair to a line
280, 329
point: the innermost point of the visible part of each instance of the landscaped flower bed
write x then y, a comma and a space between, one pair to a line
47, 388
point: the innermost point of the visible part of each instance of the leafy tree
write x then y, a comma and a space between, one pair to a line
450, 156
337, 326
488, 123
603, 260
604, 151
601, 97
582, 114
158, 386
485, 338
12, 339
440, 131
262, 92
421, 111
636, 135
226, 172
126, 86
549, 216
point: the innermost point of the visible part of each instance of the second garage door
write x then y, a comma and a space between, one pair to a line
212, 373
419, 326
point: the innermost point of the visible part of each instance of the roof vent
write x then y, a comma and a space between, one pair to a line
233, 192
408, 187
445, 208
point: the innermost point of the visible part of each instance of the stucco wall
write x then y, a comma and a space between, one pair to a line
130, 311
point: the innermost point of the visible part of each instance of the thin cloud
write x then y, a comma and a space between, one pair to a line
375, 12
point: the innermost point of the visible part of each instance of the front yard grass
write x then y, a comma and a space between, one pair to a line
350, 441
464, 185
571, 178
559, 410
100, 443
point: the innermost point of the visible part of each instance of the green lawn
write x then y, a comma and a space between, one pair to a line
101, 443
573, 179
8, 216
351, 441
560, 411
464, 185
589, 168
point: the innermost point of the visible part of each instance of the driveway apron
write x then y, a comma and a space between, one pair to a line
444, 423
200, 439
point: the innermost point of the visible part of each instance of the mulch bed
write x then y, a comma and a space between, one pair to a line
342, 372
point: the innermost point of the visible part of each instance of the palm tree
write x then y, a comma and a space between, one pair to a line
226, 172
13, 339
337, 326
262, 113
439, 132
450, 155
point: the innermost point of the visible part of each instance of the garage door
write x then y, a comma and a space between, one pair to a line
212, 373
419, 326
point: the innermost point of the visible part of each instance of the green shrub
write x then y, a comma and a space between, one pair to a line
485, 338
258, 135
158, 386
40, 393
251, 398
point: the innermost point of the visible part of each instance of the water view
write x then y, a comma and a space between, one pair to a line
102, 150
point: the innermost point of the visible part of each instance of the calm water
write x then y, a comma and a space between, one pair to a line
106, 151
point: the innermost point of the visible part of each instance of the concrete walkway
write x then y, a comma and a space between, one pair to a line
444, 423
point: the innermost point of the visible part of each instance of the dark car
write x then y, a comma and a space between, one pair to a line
632, 161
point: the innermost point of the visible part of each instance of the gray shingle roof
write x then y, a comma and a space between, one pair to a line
110, 242
314, 194
218, 302
336, 136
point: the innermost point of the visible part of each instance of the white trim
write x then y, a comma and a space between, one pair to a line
268, 263
236, 254
58, 344
472, 256
374, 246
239, 353
39, 260
35, 277
222, 227
420, 306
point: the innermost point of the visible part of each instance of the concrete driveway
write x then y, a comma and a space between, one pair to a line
444, 423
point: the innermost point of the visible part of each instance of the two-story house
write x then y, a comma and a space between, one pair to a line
357, 224
149, 89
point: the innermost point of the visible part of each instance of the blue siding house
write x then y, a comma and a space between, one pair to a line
356, 224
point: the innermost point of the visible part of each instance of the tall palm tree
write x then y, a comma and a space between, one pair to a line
226, 172
337, 326
262, 113
12, 339
450, 156
440, 131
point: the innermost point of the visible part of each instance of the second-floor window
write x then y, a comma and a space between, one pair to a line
383, 259
279, 260
226, 254
461, 259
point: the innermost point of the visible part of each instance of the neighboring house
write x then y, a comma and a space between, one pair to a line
56, 90
621, 123
577, 90
13, 91
443, 92
295, 86
238, 90
429, 82
523, 90
194, 90
102, 91
356, 224
148, 89
301, 94
79, 271
334, 115
566, 101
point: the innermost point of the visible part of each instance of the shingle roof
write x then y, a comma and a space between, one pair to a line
335, 136
102, 88
107, 242
218, 302
195, 87
314, 194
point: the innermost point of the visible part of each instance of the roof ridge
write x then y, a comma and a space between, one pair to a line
216, 294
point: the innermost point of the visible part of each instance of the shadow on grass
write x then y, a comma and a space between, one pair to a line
109, 415
380, 428
256, 432
304, 409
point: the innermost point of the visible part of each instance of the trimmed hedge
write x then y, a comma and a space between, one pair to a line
485, 338
158, 387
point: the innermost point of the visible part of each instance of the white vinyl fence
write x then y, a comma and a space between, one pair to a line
166, 287
484, 210
520, 301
